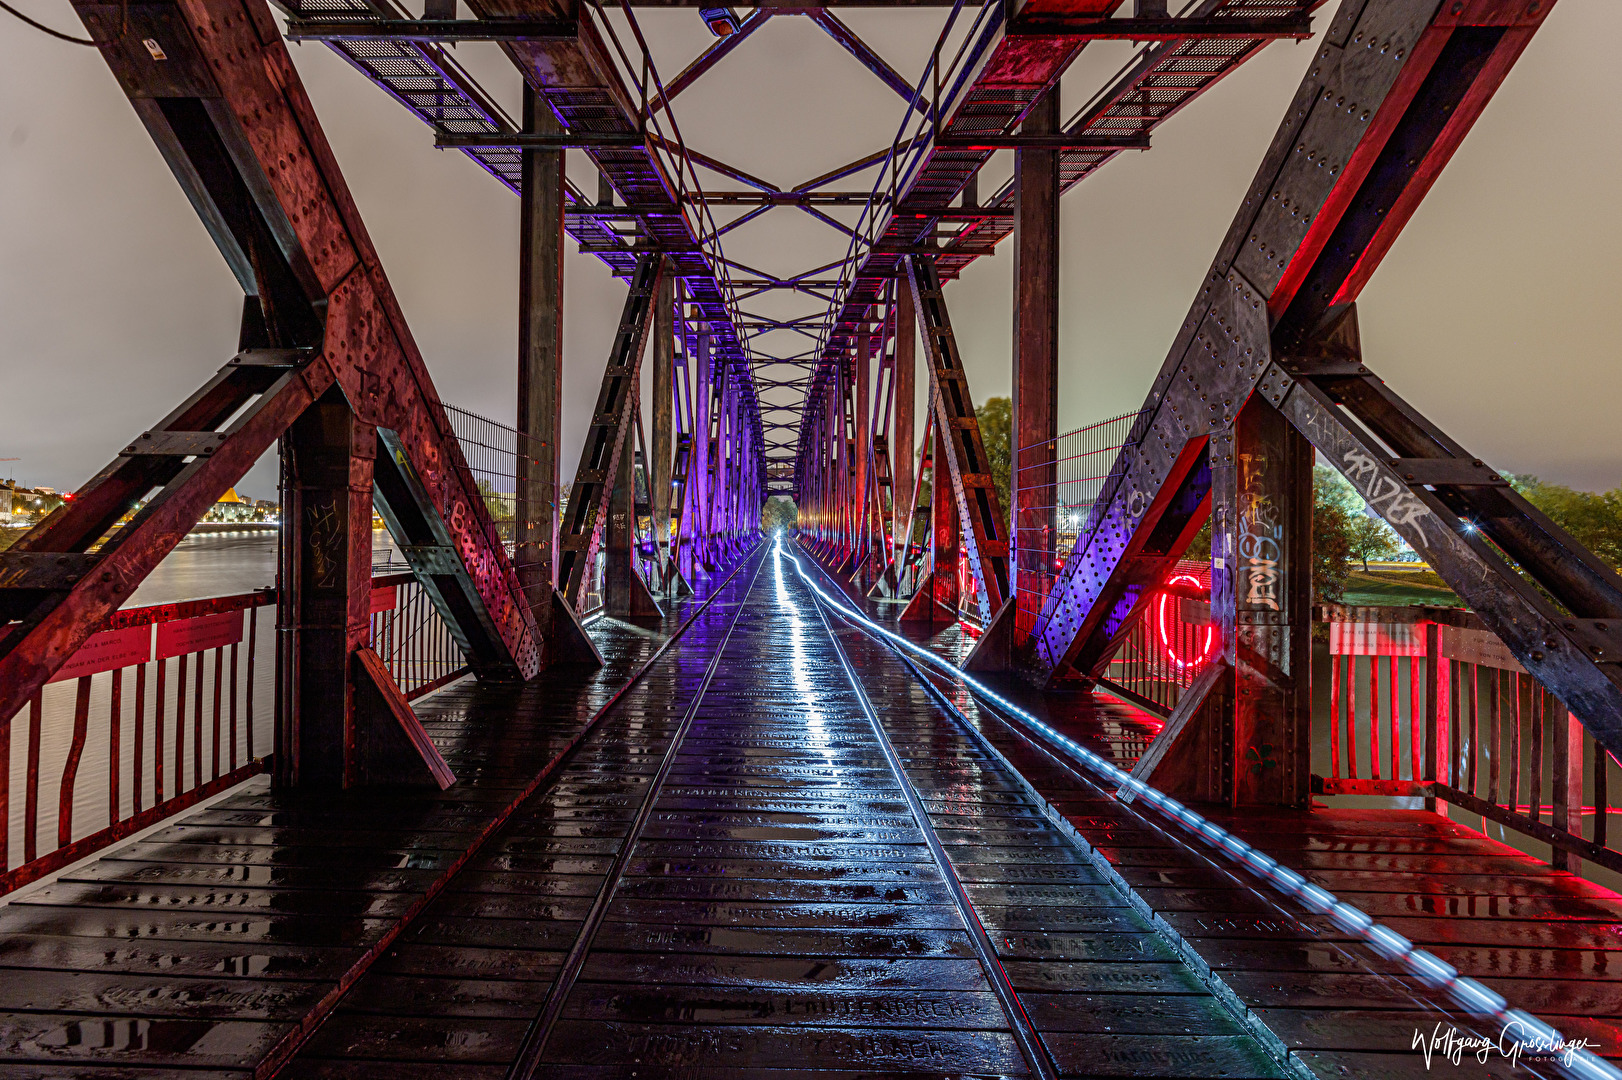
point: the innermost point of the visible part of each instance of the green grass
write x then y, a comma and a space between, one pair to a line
1399, 588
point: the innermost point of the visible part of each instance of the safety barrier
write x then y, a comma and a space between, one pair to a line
1434, 700
1164, 651
1064, 478
181, 705
1423, 702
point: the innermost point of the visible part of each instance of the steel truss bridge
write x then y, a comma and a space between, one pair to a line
603, 782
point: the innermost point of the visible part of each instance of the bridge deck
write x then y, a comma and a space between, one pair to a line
752, 866
1546, 939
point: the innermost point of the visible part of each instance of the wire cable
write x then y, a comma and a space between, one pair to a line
59, 35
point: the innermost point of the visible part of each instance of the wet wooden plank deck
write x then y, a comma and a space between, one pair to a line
753, 866
771, 905
1547, 940
217, 942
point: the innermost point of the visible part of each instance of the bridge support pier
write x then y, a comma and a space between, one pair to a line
341, 721
625, 593
936, 600
1261, 601
1036, 367
664, 403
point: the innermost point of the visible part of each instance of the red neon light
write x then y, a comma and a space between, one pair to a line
1165, 638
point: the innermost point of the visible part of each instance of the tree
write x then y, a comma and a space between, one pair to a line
779, 513
1593, 518
1367, 536
1331, 538
996, 419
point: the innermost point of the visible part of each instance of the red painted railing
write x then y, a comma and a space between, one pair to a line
411, 639
168, 706
179, 680
1421, 703
1164, 651
1428, 702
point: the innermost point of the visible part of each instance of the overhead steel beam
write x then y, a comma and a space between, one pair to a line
519, 140
1393, 90
1168, 28
1042, 142
433, 30
711, 56
852, 42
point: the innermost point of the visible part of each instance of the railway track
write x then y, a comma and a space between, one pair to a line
760, 865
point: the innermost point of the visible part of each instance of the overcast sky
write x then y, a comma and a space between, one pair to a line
1496, 313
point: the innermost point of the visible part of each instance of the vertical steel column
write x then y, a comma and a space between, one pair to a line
624, 591
664, 402
1261, 602
721, 509
619, 541
830, 481
540, 361
1036, 365
945, 521
323, 606
902, 450
700, 482
861, 497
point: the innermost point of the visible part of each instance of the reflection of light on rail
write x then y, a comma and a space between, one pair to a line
1165, 636
1476, 998
817, 736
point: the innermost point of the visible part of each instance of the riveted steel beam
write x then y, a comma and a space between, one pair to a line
1394, 88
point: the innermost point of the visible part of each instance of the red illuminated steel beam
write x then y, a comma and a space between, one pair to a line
1392, 92
217, 90
984, 540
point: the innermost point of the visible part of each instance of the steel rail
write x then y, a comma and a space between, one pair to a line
1019, 1023
1433, 972
528, 1062
312, 1021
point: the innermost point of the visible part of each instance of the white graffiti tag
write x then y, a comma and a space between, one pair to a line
1388, 497
1261, 567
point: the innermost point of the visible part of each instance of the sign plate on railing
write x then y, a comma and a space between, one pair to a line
108, 651
196, 635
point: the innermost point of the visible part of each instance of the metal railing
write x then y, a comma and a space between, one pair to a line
411, 639
505, 468
1165, 650
165, 707
1433, 700
181, 680
1423, 702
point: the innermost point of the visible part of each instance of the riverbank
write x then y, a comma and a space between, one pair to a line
9, 535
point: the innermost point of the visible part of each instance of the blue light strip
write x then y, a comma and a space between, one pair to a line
1431, 970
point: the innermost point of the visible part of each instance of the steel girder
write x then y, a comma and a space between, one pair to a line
1006, 69
229, 114
1395, 88
575, 75
983, 540
581, 533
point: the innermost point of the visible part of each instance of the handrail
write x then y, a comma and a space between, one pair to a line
195, 660
1425, 703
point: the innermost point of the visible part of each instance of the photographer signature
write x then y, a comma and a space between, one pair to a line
1511, 1043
